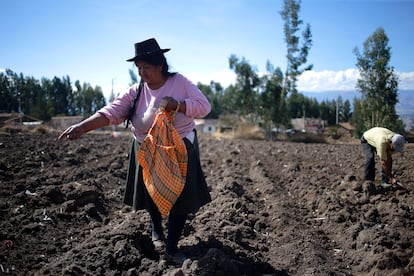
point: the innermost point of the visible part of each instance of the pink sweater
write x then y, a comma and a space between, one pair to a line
177, 87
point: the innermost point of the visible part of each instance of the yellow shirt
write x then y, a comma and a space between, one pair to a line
379, 138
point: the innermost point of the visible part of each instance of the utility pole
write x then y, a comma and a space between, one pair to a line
20, 107
337, 110
112, 90
112, 95
304, 117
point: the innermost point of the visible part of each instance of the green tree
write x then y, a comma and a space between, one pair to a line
38, 105
46, 98
17, 84
231, 100
312, 107
5, 95
378, 83
247, 81
87, 100
78, 99
8, 91
133, 76
59, 94
297, 49
346, 111
327, 111
298, 105
98, 99
49, 104
270, 97
213, 92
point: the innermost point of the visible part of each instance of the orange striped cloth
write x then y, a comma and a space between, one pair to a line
163, 158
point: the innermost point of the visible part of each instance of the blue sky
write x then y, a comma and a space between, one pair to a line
89, 40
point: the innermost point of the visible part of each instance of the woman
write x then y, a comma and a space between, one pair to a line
175, 93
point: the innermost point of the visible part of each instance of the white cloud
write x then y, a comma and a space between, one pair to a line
310, 81
314, 81
318, 81
406, 80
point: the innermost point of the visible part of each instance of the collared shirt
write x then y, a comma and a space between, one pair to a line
177, 87
379, 138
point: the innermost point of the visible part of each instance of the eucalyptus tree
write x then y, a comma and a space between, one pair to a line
270, 97
247, 83
98, 99
36, 106
133, 77
8, 91
214, 93
60, 93
298, 105
378, 83
358, 118
231, 100
87, 100
327, 111
346, 111
297, 49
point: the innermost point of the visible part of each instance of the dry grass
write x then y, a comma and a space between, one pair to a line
244, 130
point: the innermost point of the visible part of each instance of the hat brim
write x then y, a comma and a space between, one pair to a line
148, 54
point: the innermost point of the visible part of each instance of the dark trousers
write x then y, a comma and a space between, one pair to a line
369, 168
175, 227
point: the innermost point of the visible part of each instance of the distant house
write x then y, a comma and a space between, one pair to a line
4, 117
311, 125
345, 128
206, 125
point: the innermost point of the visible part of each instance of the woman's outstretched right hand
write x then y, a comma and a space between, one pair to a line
72, 133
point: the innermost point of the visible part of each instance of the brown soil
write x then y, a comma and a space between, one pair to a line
278, 208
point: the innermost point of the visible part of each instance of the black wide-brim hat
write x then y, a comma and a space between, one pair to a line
147, 48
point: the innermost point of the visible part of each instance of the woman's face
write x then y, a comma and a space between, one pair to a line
151, 74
